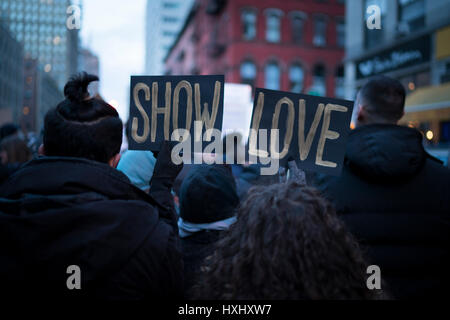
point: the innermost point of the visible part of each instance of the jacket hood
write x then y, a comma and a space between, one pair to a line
56, 212
385, 152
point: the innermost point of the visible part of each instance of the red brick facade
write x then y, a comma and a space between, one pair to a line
213, 41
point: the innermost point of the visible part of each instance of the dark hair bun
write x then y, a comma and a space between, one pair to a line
76, 88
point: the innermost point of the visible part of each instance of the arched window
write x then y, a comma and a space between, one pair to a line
320, 31
340, 32
248, 72
319, 84
339, 89
273, 25
248, 18
272, 76
296, 78
298, 20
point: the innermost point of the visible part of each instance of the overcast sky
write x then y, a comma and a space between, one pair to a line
115, 31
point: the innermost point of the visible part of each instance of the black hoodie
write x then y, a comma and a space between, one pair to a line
395, 198
57, 212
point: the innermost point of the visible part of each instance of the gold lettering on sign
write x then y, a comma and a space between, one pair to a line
163, 110
204, 116
134, 126
257, 114
176, 99
327, 134
305, 146
289, 127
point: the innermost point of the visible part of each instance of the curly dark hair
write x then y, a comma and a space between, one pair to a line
287, 243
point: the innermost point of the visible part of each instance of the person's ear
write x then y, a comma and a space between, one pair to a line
361, 115
41, 150
114, 161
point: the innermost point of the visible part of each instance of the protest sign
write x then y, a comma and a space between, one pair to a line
161, 104
311, 130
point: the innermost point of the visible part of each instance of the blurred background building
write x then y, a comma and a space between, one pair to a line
41, 26
285, 45
11, 76
45, 55
413, 46
41, 92
164, 20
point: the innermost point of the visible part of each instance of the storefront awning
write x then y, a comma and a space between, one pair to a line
429, 98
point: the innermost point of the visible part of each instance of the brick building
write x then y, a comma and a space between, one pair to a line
289, 45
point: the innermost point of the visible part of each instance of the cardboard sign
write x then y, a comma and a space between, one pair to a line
161, 104
312, 130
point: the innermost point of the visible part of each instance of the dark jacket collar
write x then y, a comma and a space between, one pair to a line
384, 151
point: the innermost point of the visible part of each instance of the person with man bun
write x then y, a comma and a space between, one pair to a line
71, 225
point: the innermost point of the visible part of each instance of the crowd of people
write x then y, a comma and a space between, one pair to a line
140, 227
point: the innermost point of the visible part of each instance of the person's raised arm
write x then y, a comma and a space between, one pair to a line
162, 181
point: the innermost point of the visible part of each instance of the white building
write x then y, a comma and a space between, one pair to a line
165, 18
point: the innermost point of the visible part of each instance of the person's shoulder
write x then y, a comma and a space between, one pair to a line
435, 166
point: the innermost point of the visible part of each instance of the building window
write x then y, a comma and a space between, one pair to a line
170, 5
339, 80
248, 19
319, 85
320, 31
340, 32
248, 72
169, 19
298, 24
273, 25
296, 78
272, 76
374, 37
411, 15
167, 33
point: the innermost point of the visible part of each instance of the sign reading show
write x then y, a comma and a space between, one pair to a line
309, 129
159, 105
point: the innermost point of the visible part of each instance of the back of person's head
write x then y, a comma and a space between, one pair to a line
8, 129
208, 194
287, 243
382, 100
14, 149
128, 126
82, 126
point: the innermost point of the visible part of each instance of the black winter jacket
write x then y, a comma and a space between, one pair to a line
58, 212
196, 248
395, 198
